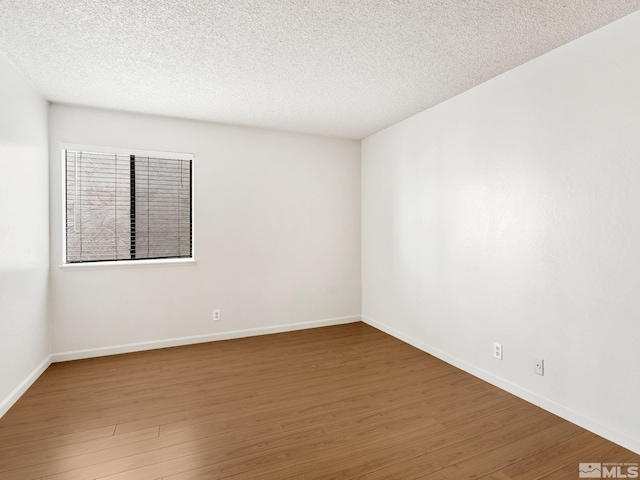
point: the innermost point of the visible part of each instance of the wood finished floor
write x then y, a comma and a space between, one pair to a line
343, 402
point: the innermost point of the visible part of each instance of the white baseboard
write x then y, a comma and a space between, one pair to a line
456, 362
616, 436
176, 342
13, 397
562, 411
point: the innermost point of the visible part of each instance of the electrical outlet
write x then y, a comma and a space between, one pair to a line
538, 366
497, 351
216, 315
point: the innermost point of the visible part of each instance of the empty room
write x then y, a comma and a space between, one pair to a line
319, 239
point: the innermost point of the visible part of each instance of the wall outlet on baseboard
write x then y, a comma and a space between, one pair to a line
538, 366
497, 350
216, 315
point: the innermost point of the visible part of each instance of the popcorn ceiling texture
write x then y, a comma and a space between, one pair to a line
337, 68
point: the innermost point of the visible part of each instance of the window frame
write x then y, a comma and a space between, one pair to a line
155, 262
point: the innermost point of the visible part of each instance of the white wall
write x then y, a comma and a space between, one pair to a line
277, 237
24, 235
511, 214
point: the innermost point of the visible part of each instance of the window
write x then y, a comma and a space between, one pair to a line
127, 206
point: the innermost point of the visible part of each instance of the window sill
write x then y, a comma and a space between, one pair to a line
178, 262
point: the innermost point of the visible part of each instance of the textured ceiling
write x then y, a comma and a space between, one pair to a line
332, 67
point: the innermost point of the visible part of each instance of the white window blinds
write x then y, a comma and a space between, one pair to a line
127, 207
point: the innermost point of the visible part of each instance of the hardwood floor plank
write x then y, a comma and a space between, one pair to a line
61, 452
195, 466
151, 463
362, 458
508, 453
341, 402
42, 444
30, 433
556, 456
496, 476
446, 448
